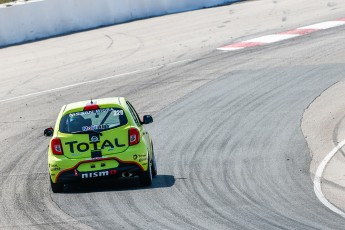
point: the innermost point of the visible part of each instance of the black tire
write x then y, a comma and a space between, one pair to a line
154, 165
146, 176
56, 187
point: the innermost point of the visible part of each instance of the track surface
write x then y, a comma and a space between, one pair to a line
227, 133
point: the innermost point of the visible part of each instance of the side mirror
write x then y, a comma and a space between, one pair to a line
48, 132
147, 119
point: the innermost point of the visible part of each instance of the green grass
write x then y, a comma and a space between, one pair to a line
5, 1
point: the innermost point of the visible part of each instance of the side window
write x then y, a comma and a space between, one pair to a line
134, 114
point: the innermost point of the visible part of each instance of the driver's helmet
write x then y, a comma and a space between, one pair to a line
76, 123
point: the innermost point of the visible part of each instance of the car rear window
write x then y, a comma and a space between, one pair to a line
94, 120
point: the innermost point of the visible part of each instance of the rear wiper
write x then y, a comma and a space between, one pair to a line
88, 131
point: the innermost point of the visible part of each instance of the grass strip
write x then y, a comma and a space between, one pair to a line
5, 1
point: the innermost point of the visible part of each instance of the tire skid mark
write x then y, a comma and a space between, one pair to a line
234, 193
213, 197
199, 150
123, 213
32, 207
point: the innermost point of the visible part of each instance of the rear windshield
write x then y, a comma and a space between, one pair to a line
94, 120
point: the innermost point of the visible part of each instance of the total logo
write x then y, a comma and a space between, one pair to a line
98, 174
95, 144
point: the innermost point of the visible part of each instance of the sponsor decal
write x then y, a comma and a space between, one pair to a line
133, 138
88, 175
76, 154
94, 127
86, 128
84, 147
142, 159
94, 138
97, 111
101, 157
54, 168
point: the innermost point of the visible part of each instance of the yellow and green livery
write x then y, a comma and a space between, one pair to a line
98, 139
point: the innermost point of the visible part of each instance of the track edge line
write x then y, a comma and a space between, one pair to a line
318, 177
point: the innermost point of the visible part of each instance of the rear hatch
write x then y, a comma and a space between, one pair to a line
94, 133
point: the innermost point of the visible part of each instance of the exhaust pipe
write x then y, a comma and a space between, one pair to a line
127, 174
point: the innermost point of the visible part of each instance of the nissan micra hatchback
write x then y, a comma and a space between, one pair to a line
98, 139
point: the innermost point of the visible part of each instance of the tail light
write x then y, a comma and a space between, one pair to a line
56, 146
91, 107
134, 136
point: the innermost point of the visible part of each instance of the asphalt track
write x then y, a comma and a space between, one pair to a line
230, 150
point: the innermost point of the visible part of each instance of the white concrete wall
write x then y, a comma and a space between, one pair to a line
44, 18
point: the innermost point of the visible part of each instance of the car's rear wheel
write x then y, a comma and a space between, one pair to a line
154, 165
146, 176
56, 187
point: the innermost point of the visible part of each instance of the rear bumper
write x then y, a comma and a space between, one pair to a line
73, 175
64, 170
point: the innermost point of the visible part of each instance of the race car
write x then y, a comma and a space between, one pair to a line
100, 138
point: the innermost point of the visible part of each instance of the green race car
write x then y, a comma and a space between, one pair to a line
99, 139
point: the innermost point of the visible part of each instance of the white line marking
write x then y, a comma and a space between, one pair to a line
318, 176
230, 48
324, 25
89, 82
273, 38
